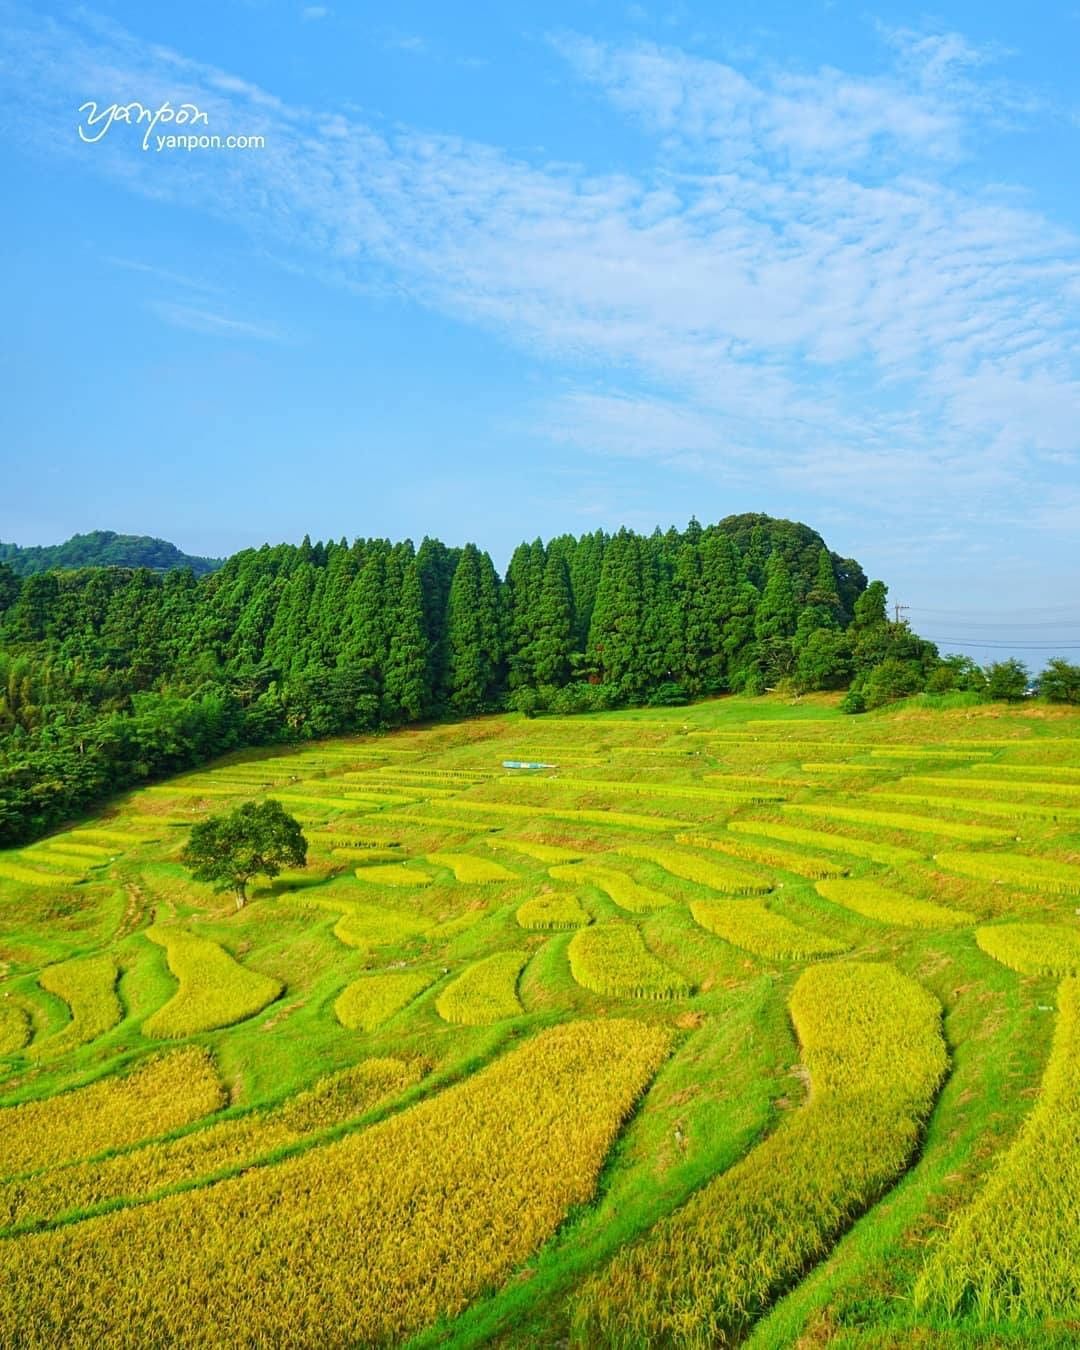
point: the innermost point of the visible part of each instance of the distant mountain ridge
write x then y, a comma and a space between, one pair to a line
104, 548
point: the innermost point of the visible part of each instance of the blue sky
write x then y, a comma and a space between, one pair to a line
503, 270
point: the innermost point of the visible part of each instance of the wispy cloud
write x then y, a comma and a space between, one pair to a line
797, 291
211, 323
311, 13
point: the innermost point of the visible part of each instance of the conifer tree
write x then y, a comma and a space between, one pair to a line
554, 627
406, 694
473, 633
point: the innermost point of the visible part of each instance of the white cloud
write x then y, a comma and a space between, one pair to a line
807, 298
311, 13
211, 323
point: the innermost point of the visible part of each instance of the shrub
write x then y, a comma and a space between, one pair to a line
872, 1043
854, 701
612, 959
215, 991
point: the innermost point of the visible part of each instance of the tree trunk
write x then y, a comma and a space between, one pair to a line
241, 896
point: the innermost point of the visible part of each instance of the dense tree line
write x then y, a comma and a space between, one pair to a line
103, 548
111, 675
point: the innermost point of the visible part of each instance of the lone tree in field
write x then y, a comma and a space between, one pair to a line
258, 839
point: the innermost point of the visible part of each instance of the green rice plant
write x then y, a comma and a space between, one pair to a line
14, 870
845, 766
14, 1026
557, 911
113, 838
367, 926
325, 804
702, 871
471, 870
897, 820
220, 1147
373, 999
67, 843
803, 865
1011, 1254
161, 1094
72, 868
613, 818
886, 906
999, 787
929, 752
485, 992
750, 925
889, 854
362, 1242
393, 874
624, 788
627, 893
871, 1041
88, 987
979, 805
1006, 772
439, 822
545, 853
1015, 869
1033, 948
364, 854
215, 990
612, 959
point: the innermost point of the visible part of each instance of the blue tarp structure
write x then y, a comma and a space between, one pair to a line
526, 764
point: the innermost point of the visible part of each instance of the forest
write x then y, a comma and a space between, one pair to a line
110, 676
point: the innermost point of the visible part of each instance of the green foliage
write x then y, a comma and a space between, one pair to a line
1007, 679
257, 839
103, 548
1060, 682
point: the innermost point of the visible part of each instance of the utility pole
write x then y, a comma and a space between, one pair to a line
900, 609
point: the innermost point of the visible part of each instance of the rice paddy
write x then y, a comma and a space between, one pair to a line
644, 1049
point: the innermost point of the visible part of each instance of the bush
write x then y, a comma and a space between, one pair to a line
668, 695
853, 702
1060, 682
1007, 680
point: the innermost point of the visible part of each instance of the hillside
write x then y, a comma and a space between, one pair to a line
103, 548
741, 1022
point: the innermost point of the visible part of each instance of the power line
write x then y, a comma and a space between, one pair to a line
1027, 609
1007, 646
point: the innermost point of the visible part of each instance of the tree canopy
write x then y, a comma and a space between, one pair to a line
257, 839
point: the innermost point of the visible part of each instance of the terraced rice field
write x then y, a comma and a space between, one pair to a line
645, 1049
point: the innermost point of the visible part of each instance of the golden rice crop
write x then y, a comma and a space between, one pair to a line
594, 817
1033, 948
363, 925
877, 902
162, 1094
545, 853
485, 992
394, 874
439, 822
845, 766
73, 868
373, 999
899, 820
1005, 773
871, 1040
14, 870
560, 910
471, 870
1012, 1253
363, 1241
998, 787
112, 837
625, 891
612, 959
215, 990
978, 805
889, 854
703, 871
628, 787
221, 1146
928, 752
802, 864
14, 1027
67, 843
1015, 869
750, 925
364, 854
88, 986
